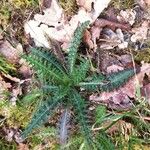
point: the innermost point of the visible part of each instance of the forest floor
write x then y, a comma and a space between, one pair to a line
117, 39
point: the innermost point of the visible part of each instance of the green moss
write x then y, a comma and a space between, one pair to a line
5, 66
7, 146
123, 4
69, 6
24, 3
43, 134
4, 14
143, 55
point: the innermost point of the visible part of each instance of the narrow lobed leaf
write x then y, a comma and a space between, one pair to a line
79, 73
81, 116
41, 115
48, 56
75, 44
115, 80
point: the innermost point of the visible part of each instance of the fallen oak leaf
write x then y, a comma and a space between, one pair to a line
49, 13
113, 39
96, 29
63, 29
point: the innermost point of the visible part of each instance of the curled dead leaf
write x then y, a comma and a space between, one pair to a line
140, 33
87, 39
128, 16
11, 54
113, 25
22, 146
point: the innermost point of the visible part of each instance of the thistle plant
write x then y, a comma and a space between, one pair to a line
61, 83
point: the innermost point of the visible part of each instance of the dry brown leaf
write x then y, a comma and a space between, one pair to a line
95, 33
140, 33
143, 3
53, 16
46, 3
87, 39
113, 39
25, 71
62, 28
11, 54
147, 2
22, 146
3, 88
108, 62
101, 23
128, 16
87, 4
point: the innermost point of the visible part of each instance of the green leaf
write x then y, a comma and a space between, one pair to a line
81, 115
41, 115
93, 83
46, 110
115, 80
75, 44
100, 113
49, 57
104, 143
5, 66
109, 83
79, 73
44, 68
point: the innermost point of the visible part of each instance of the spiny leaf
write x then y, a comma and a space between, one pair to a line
104, 143
45, 111
111, 82
75, 44
48, 56
44, 68
80, 108
93, 83
41, 116
80, 72
49, 88
115, 80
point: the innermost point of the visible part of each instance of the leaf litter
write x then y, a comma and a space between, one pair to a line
111, 35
